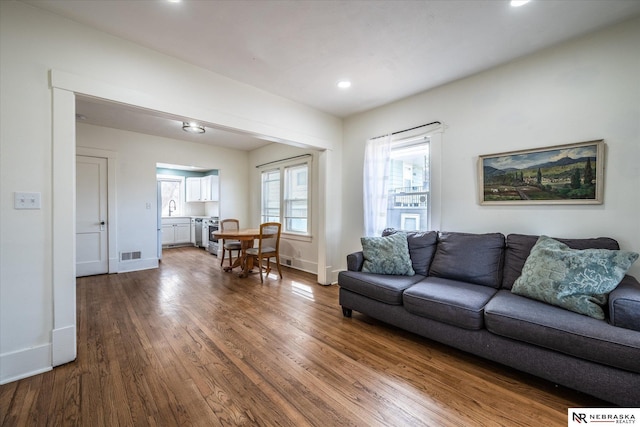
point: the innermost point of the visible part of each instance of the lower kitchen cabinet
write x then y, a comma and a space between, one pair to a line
176, 231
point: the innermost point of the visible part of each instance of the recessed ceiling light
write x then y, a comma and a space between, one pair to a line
192, 127
344, 84
174, 1
518, 3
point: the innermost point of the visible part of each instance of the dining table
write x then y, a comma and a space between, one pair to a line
246, 236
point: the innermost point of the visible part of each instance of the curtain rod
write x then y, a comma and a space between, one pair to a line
407, 130
284, 160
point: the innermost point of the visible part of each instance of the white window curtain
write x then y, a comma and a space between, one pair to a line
377, 164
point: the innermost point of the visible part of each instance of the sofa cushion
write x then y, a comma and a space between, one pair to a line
380, 287
519, 246
456, 303
422, 246
578, 280
545, 325
387, 255
624, 304
472, 258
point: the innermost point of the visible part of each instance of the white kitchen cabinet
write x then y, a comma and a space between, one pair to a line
168, 236
194, 189
203, 189
215, 188
176, 231
182, 233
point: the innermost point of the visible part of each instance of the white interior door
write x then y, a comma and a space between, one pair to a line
92, 250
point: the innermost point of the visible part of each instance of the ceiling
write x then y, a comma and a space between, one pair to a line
113, 115
301, 49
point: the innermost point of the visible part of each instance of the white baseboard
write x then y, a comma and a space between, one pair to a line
25, 363
64, 346
136, 265
299, 264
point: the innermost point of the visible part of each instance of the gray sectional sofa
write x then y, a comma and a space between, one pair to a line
460, 295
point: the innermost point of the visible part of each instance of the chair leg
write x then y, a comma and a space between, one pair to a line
268, 267
222, 260
278, 265
260, 269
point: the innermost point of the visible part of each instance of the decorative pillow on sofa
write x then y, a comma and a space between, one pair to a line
577, 280
519, 247
387, 255
422, 246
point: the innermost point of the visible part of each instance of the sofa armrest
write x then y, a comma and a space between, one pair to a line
355, 261
624, 304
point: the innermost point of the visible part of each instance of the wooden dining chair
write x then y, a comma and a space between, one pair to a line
268, 247
230, 245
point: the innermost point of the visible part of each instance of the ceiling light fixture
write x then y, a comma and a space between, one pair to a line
518, 3
192, 127
344, 84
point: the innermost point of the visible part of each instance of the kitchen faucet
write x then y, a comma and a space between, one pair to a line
172, 208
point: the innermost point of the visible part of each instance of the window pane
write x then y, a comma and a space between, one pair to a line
296, 217
408, 207
296, 199
170, 196
271, 196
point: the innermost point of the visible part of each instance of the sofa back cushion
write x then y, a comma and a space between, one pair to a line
472, 258
519, 246
422, 246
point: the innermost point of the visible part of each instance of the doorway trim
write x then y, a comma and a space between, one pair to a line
65, 86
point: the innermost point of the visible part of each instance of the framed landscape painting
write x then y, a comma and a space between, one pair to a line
563, 174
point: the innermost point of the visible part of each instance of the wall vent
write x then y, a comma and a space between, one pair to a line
130, 256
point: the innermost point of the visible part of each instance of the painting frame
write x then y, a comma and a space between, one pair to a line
544, 176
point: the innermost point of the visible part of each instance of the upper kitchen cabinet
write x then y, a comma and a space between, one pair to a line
203, 189
210, 188
194, 189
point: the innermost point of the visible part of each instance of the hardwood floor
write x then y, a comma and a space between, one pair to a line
188, 344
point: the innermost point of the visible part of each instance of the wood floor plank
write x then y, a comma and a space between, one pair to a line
188, 344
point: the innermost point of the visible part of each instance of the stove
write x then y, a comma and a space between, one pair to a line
209, 241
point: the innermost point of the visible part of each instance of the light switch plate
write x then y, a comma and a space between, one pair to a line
27, 200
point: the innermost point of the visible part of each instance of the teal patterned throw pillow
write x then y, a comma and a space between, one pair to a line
387, 255
577, 280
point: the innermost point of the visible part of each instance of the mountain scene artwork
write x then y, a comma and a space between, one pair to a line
561, 174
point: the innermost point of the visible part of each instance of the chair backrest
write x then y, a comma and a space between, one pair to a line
229, 225
269, 237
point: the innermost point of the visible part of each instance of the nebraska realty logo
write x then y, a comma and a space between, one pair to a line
582, 416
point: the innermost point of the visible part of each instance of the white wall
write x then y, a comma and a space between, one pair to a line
582, 90
33, 158
137, 155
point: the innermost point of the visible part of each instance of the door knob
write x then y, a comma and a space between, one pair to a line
102, 225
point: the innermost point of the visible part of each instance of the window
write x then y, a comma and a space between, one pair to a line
285, 197
396, 184
171, 195
271, 196
408, 201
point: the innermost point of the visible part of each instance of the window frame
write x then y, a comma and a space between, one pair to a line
397, 146
183, 192
282, 169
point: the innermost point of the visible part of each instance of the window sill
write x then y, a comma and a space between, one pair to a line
297, 237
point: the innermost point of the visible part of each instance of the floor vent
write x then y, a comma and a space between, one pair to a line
130, 256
